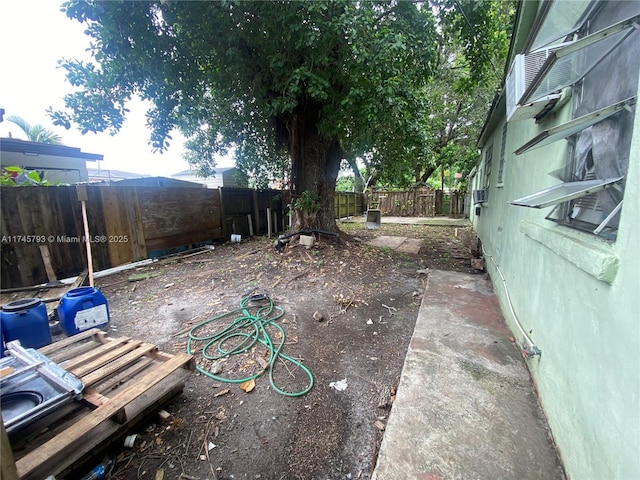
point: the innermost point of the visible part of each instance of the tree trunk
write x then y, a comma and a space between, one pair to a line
315, 161
358, 181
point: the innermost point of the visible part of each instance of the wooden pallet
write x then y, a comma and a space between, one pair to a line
124, 381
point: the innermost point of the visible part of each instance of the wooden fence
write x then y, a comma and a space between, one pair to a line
43, 236
348, 204
419, 202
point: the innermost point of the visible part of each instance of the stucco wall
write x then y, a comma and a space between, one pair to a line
579, 297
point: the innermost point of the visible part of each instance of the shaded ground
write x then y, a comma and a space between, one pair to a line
368, 298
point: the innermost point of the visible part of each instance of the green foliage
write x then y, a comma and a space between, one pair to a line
233, 73
482, 29
344, 184
308, 202
448, 113
35, 133
295, 86
18, 177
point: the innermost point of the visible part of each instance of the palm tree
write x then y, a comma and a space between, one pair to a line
36, 133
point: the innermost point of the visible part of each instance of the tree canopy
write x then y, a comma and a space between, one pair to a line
294, 87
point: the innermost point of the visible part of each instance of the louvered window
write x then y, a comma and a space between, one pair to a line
603, 68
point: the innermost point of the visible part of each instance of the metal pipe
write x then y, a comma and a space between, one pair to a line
531, 349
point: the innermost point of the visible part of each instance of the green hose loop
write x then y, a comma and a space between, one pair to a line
247, 329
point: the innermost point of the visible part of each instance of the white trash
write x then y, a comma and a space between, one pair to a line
130, 440
340, 385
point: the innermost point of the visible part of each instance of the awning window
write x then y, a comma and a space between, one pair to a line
574, 126
570, 63
564, 192
558, 19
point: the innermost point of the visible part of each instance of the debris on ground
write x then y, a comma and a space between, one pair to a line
340, 385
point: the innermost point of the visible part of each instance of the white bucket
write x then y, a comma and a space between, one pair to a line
236, 238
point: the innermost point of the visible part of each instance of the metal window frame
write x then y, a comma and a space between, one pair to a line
564, 192
546, 12
503, 148
574, 126
488, 159
630, 25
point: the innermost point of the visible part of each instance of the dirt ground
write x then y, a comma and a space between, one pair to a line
365, 300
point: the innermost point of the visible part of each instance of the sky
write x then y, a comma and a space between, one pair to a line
34, 35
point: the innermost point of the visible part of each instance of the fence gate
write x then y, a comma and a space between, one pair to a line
417, 202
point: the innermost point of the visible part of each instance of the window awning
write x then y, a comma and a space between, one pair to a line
574, 126
564, 192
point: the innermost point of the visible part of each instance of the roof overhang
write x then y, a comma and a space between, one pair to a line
32, 149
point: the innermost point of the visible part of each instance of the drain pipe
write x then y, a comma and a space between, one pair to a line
530, 349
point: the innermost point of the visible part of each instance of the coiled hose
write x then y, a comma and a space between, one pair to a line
246, 330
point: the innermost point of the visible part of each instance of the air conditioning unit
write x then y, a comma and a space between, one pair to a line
480, 196
522, 73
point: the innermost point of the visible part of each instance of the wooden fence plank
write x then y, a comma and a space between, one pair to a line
188, 215
418, 202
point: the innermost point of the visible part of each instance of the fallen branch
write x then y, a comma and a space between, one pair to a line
245, 255
295, 277
392, 310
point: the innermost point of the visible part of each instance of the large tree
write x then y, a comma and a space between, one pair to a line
306, 77
447, 114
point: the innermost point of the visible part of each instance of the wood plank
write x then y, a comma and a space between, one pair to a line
63, 344
46, 259
97, 226
7, 463
184, 238
170, 212
134, 216
94, 353
114, 209
114, 381
108, 368
81, 431
82, 371
94, 398
141, 407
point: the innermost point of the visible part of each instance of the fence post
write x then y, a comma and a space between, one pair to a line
268, 222
256, 212
82, 196
225, 230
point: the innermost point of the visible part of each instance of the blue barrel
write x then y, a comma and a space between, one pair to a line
81, 309
26, 320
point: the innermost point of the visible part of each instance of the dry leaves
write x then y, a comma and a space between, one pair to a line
248, 385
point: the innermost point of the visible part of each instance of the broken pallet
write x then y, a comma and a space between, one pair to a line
124, 381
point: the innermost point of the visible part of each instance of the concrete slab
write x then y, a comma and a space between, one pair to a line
388, 241
401, 244
465, 406
410, 245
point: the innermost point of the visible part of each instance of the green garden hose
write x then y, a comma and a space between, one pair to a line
246, 330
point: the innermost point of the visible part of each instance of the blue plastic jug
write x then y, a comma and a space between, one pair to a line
81, 309
26, 320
